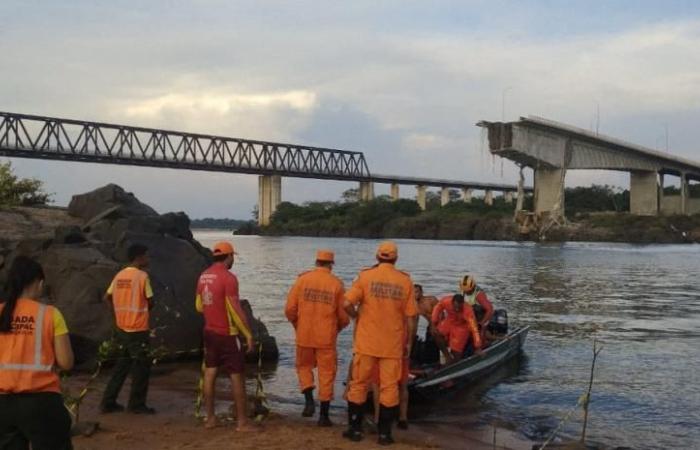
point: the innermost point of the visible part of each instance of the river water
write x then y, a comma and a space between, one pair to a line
641, 302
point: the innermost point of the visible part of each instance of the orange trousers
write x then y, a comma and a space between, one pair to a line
326, 360
361, 378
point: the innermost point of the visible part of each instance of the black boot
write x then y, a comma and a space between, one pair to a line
386, 419
323, 418
309, 406
355, 417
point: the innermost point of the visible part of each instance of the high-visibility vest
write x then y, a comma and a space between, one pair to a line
129, 299
471, 298
27, 352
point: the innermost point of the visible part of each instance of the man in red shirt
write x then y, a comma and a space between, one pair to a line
473, 295
455, 323
225, 325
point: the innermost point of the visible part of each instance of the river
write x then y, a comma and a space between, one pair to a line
641, 302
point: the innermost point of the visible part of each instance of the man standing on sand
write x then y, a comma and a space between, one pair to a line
315, 309
224, 324
382, 299
131, 296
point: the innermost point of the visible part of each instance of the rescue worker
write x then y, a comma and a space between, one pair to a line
315, 309
131, 296
33, 342
473, 295
382, 300
225, 325
455, 324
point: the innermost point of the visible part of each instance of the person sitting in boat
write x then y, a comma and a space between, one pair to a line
455, 326
473, 295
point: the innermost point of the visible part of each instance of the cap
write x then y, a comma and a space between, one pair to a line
324, 255
223, 248
387, 250
468, 283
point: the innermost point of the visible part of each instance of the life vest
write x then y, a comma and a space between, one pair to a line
27, 352
471, 298
129, 299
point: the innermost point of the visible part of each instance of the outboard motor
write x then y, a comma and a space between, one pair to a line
499, 322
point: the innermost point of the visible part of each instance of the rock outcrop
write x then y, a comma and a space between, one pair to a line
82, 248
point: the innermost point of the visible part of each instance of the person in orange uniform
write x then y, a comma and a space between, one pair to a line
473, 295
382, 300
315, 309
33, 342
225, 325
131, 296
455, 323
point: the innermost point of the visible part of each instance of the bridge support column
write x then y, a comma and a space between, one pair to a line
644, 193
508, 197
488, 197
366, 191
549, 192
420, 196
684, 193
466, 195
444, 196
394, 191
269, 197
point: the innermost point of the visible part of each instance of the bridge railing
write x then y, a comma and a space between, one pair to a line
30, 136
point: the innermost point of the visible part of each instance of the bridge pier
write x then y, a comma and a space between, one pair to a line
684, 193
420, 196
508, 197
467, 195
644, 193
269, 197
488, 197
366, 191
549, 192
394, 191
444, 196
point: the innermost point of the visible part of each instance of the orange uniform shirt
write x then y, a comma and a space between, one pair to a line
217, 298
444, 312
131, 291
27, 355
386, 299
315, 308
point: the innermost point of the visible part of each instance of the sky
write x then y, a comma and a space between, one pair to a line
402, 81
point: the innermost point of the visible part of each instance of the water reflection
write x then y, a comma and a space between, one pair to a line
643, 303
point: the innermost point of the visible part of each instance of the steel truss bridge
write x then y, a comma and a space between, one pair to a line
39, 137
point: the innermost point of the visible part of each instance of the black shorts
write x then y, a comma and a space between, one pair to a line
224, 352
37, 418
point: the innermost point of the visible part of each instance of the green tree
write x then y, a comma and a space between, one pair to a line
15, 191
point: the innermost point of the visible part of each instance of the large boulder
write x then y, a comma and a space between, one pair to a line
88, 205
82, 253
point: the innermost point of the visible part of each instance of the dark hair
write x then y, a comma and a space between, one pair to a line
320, 263
136, 250
23, 272
418, 286
220, 258
459, 298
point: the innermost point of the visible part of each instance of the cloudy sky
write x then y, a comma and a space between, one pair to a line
403, 81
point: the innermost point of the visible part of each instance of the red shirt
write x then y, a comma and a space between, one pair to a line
217, 299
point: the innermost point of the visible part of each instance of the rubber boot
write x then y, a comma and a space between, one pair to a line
323, 418
309, 406
355, 418
386, 419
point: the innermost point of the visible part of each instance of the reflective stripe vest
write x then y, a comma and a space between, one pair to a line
471, 299
129, 299
27, 352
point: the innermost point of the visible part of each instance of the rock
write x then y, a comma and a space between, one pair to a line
87, 206
68, 234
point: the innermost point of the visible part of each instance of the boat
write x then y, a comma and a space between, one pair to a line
431, 381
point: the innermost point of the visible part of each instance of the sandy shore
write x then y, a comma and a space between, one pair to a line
172, 393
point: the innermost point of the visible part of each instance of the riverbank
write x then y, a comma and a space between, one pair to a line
172, 393
403, 219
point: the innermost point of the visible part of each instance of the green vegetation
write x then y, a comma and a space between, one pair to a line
15, 191
218, 224
596, 198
